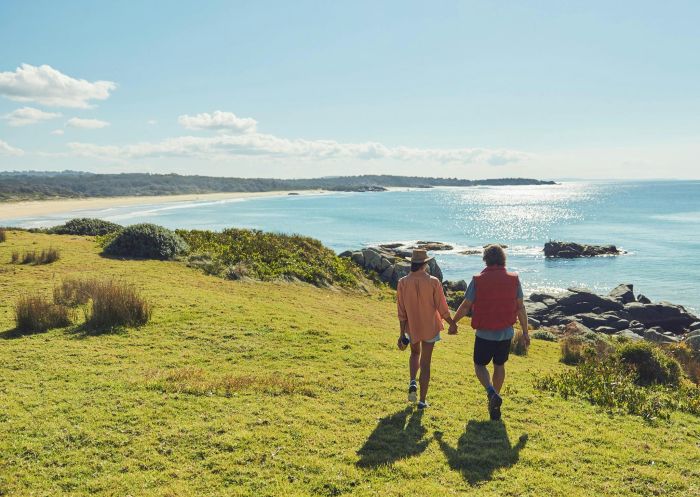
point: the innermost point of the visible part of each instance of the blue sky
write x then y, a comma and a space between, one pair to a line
468, 89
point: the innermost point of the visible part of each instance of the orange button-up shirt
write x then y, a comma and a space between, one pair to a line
421, 302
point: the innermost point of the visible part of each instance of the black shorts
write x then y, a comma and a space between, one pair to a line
486, 350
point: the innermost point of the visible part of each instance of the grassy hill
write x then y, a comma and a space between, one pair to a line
267, 389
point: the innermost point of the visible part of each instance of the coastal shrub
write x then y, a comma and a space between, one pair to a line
3, 236
34, 313
146, 241
649, 364
517, 344
614, 385
688, 358
85, 226
545, 335
236, 253
46, 256
575, 348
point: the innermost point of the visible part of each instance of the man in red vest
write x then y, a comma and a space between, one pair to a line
495, 299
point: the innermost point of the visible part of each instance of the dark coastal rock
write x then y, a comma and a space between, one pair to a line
664, 314
662, 321
432, 246
629, 335
655, 336
571, 250
471, 252
693, 342
455, 286
623, 293
643, 299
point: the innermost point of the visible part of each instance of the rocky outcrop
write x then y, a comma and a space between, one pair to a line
431, 246
388, 262
571, 250
618, 313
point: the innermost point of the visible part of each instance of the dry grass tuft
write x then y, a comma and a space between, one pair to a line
3, 236
46, 256
34, 313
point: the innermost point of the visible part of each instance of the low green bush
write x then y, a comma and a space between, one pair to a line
649, 364
3, 236
86, 226
545, 335
146, 241
241, 253
613, 385
517, 344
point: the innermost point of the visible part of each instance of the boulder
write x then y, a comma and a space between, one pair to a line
401, 269
694, 343
694, 333
643, 299
387, 275
608, 330
694, 326
358, 258
372, 259
622, 293
390, 246
434, 269
471, 252
535, 308
455, 286
574, 328
571, 250
534, 323
655, 336
580, 300
668, 316
346, 254
629, 335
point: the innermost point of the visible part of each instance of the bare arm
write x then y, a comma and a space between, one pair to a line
522, 319
463, 310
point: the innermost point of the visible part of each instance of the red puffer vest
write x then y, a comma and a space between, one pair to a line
496, 303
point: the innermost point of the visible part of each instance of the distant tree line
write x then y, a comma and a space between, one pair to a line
73, 184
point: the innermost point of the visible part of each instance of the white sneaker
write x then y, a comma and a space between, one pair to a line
412, 391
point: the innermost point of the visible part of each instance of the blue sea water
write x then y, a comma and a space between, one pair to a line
657, 222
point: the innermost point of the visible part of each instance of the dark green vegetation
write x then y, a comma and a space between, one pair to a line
146, 241
248, 388
632, 377
21, 186
46, 256
239, 253
85, 226
3, 235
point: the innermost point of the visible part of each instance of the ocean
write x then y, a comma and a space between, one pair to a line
656, 222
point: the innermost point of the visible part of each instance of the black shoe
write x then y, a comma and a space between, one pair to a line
423, 405
412, 389
495, 402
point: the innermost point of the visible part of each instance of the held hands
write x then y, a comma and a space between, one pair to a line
453, 329
525, 338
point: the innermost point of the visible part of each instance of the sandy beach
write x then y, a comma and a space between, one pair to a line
37, 208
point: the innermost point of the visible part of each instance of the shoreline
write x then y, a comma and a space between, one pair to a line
37, 208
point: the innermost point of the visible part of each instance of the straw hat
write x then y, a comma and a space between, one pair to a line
419, 256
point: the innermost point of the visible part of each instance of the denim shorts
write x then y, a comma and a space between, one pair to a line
435, 339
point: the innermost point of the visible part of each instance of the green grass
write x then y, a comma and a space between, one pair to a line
271, 389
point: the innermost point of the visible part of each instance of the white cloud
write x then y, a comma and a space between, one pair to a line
7, 149
77, 122
28, 115
256, 144
152, 122
56, 132
219, 121
47, 86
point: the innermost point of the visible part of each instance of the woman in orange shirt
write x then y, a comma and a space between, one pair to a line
421, 309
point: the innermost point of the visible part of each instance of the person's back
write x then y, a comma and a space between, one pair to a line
495, 299
421, 308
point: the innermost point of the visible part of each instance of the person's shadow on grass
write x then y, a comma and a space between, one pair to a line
483, 448
394, 438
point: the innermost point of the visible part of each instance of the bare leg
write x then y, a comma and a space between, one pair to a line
414, 360
483, 374
499, 376
425, 358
